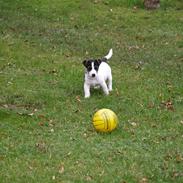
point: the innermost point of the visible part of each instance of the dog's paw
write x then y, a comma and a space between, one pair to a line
106, 92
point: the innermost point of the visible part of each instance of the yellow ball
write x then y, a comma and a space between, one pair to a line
105, 120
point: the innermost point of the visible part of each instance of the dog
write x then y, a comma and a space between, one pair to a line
98, 74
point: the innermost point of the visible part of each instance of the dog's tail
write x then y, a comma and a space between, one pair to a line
109, 55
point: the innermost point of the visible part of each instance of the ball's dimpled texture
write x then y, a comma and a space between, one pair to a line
105, 120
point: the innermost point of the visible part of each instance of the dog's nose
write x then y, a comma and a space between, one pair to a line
93, 75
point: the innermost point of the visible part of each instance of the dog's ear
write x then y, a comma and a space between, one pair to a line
85, 63
99, 61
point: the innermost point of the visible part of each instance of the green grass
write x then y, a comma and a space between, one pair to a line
46, 129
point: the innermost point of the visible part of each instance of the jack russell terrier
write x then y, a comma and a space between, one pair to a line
97, 73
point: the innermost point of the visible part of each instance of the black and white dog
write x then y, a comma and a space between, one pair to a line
97, 73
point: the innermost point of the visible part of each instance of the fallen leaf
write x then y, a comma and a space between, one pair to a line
61, 169
179, 158
144, 180
134, 124
117, 92
30, 168
88, 178
41, 146
153, 125
151, 105
30, 114
168, 105
177, 174
102, 173
165, 165
52, 130
51, 123
41, 124
131, 48
5, 105
78, 98
53, 71
69, 153
42, 116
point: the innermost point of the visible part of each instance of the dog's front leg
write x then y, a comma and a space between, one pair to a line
104, 87
87, 90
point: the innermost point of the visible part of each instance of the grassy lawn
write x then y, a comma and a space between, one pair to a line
46, 132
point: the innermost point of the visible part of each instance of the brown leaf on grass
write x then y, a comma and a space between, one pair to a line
61, 169
177, 174
78, 98
51, 123
52, 130
165, 165
67, 54
169, 86
95, 1
5, 106
139, 65
168, 105
41, 146
144, 180
117, 91
150, 105
30, 114
45, 121
153, 125
134, 124
42, 116
168, 157
101, 173
41, 123
53, 71
77, 110
30, 168
131, 48
179, 158
88, 178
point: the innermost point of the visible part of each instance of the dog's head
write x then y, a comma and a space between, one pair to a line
92, 67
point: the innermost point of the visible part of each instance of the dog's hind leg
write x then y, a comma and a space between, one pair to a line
110, 83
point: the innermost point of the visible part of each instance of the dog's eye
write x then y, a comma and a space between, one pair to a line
89, 68
96, 68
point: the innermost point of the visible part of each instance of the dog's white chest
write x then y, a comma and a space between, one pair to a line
91, 81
